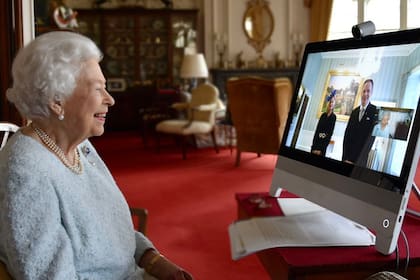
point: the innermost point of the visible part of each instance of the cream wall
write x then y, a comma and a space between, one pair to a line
225, 17
152, 4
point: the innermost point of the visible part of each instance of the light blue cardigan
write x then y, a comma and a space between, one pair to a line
55, 224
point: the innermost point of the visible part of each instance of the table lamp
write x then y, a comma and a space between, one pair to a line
193, 67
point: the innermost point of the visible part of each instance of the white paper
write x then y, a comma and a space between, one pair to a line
296, 206
315, 229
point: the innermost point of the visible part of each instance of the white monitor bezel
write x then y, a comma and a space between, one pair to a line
380, 210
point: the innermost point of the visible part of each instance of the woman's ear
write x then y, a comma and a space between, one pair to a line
57, 107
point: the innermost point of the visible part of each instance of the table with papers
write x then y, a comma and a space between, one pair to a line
321, 228
312, 253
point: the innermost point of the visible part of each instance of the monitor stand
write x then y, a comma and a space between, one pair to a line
413, 207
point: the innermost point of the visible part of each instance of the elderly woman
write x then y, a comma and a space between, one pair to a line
62, 215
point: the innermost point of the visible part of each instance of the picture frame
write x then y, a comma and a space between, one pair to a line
398, 122
116, 85
300, 115
347, 86
299, 99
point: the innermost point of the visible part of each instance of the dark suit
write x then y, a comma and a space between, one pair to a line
358, 137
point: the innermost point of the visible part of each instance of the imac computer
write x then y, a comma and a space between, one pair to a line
351, 143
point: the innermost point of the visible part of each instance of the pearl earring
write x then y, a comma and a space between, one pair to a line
61, 117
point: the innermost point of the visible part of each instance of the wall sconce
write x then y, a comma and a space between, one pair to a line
297, 47
220, 41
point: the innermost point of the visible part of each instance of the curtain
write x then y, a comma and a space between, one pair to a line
320, 18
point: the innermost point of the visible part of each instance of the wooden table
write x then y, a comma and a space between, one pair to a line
327, 263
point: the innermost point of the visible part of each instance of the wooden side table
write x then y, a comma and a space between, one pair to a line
327, 263
149, 117
158, 110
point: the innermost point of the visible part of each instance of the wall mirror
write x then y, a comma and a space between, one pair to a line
258, 24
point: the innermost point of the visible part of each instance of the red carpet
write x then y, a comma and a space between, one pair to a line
190, 202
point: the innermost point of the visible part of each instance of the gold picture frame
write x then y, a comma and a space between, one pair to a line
116, 84
347, 86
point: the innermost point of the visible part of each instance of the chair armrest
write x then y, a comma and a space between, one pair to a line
180, 106
140, 219
221, 114
200, 108
205, 107
4, 274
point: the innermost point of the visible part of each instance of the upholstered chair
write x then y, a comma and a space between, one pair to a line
259, 109
200, 111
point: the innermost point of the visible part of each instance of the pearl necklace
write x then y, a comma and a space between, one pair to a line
46, 139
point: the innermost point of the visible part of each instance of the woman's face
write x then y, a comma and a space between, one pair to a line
331, 104
85, 111
385, 120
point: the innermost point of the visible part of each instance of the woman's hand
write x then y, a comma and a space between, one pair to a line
163, 269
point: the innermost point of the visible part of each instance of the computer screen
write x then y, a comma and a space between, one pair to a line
351, 140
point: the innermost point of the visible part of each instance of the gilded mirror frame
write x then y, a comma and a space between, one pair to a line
258, 24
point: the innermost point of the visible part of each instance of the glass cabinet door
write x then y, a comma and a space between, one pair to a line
119, 48
153, 34
142, 46
90, 26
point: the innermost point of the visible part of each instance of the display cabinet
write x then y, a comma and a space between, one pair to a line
141, 45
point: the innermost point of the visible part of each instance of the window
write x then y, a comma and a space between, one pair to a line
343, 17
384, 13
388, 15
413, 19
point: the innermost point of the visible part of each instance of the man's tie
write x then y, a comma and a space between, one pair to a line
362, 112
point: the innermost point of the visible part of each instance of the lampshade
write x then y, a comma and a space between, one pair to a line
194, 66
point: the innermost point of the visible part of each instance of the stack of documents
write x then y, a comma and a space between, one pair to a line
319, 228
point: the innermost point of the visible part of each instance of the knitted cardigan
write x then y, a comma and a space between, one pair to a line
56, 224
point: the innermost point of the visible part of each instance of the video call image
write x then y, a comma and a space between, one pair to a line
359, 106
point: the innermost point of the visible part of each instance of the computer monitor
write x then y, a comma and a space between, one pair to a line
360, 169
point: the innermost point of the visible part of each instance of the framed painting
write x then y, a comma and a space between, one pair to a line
299, 99
346, 85
116, 84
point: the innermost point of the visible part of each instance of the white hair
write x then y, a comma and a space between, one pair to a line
47, 69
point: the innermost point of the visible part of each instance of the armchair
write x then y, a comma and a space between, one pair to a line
259, 109
201, 111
